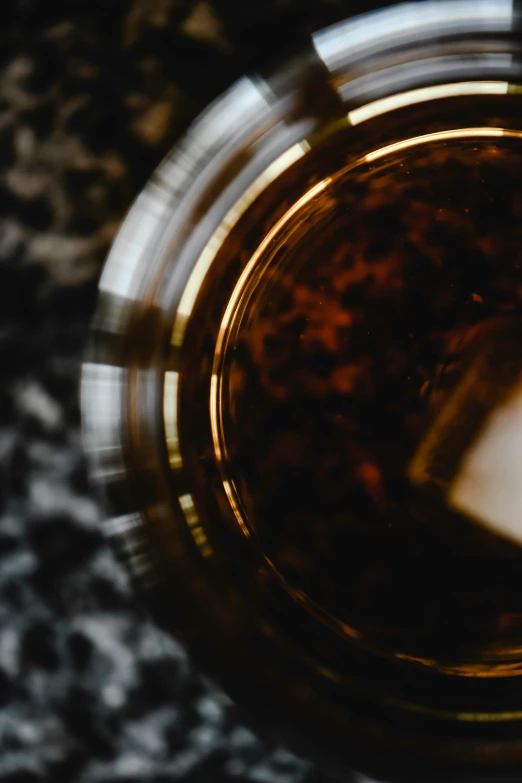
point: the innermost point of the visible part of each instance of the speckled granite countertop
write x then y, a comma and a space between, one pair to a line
92, 95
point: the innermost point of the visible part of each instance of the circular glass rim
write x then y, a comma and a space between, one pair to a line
145, 288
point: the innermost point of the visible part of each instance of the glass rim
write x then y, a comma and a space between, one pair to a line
123, 386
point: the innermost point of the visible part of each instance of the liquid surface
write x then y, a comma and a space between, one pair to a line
382, 316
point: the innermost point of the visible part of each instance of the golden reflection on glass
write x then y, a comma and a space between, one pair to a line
186, 502
170, 415
236, 307
208, 254
458, 133
424, 94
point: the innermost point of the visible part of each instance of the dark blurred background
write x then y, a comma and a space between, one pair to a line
92, 95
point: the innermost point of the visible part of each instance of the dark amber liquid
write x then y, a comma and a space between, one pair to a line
365, 313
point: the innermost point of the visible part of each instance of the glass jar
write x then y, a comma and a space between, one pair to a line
301, 393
